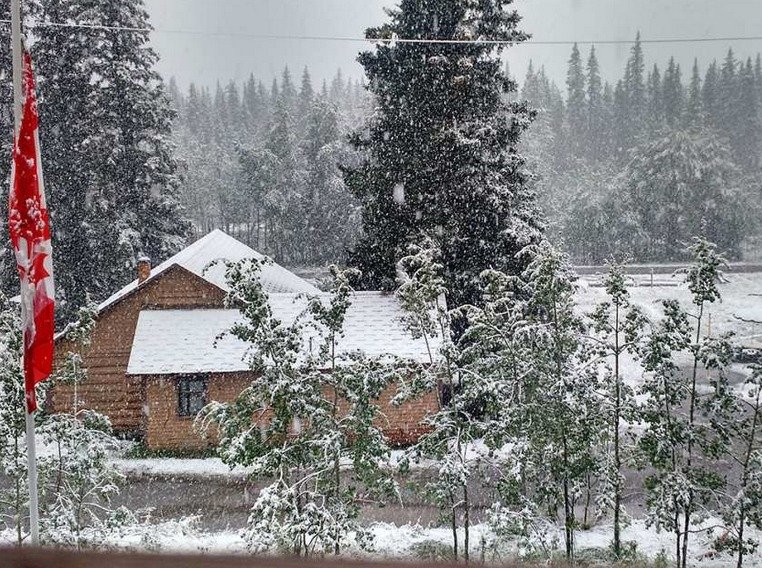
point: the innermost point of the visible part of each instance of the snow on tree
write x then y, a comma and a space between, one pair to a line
444, 130
14, 496
331, 214
680, 436
681, 185
307, 424
497, 358
459, 422
81, 482
568, 422
618, 327
80, 476
742, 510
105, 127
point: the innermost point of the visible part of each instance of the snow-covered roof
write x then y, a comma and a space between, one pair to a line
218, 245
183, 341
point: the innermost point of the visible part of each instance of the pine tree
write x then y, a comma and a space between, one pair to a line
306, 96
455, 426
677, 442
568, 424
337, 90
440, 152
618, 326
596, 120
287, 94
634, 84
673, 94
113, 177
749, 122
655, 98
694, 109
576, 102
285, 230
235, 111
711, 96
66, 127
729, 112
622, 113
743, 423
681, 185
331, 212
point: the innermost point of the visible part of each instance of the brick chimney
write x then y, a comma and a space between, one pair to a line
144, 269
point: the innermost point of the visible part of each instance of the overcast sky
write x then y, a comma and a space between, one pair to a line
211, 55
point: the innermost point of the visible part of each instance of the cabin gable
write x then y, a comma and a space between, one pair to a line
107, 389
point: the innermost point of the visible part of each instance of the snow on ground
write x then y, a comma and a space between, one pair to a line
741, 300
179, 467
415, 542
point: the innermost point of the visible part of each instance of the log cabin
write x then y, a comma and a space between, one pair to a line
155, 359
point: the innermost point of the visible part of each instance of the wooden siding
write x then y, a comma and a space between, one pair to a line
107, 389
167, 430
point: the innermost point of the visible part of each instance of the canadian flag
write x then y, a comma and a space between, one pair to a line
29, 229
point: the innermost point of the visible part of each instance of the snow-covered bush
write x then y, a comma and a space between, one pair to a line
14, 496
79, 479
81, 482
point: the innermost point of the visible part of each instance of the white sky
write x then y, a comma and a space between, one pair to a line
214, 56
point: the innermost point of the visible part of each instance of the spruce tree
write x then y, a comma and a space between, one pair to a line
695, 108
635, 87
749, 120
66, 126
673, 94
655, 97
441, 154
681, 185
106, 122
595, 127
331, 212
133, 112
710, 95
306, 96
576, 102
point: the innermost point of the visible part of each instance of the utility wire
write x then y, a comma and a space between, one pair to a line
724, 39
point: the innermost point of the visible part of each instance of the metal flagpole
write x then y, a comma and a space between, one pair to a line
31, 452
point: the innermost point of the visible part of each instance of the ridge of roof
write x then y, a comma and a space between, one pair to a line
218, 245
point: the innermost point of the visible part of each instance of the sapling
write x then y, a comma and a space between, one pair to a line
307, 422
675, 440
618, 326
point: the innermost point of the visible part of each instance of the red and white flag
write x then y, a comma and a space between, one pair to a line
29, 229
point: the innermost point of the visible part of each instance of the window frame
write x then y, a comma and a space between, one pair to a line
186, 394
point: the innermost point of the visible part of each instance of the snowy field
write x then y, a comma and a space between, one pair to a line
412, 542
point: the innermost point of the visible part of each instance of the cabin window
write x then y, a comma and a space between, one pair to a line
191, 394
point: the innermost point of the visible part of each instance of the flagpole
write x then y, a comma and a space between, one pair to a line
31, 452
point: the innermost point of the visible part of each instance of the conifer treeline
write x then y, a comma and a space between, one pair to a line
262, 163
660, 156
105, 133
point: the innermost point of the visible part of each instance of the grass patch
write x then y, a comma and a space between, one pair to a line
140, 451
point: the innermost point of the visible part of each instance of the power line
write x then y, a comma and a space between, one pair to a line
276, 37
